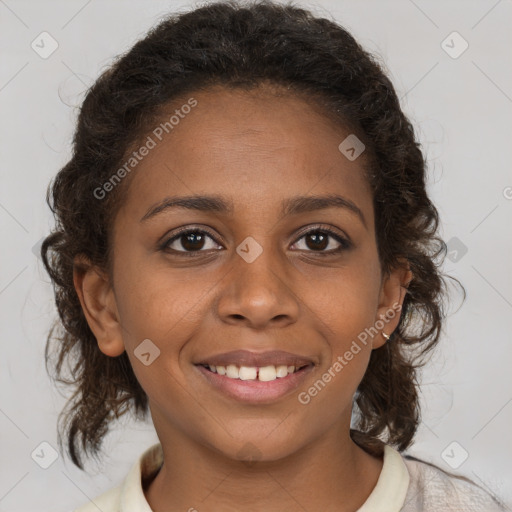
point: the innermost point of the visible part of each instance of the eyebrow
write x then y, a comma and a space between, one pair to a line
290, 206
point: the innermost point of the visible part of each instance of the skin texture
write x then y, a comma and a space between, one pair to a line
254, 149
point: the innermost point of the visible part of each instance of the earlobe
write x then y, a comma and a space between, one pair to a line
98, 304
392, 294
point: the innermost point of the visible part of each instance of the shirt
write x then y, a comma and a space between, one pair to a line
405, 484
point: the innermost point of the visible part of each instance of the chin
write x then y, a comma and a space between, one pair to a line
258, 448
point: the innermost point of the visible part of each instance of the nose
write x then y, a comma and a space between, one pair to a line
258, 294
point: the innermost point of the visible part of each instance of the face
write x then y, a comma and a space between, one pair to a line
251, 277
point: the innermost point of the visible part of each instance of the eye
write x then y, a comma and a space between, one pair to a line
319, 239
194, 240
189, 241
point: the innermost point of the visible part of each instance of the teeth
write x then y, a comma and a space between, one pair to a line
248, 373
263, 374
232, 371
267, 373
281, 371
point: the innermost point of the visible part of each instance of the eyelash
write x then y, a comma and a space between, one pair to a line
344, 243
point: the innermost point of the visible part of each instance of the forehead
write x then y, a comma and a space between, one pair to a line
254, 146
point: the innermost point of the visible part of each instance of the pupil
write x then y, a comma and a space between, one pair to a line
191, 239
320, 241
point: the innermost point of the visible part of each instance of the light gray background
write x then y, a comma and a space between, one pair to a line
462, 110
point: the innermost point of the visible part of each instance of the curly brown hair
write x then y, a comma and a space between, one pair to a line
238, 45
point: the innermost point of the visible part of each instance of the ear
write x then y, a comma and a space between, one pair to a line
392, 293
98, 304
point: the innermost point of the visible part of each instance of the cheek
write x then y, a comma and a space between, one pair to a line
166, 310
156, 303
344, 307
346, 300
344, 312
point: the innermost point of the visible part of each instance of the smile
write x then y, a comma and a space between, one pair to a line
262, 374
259, 378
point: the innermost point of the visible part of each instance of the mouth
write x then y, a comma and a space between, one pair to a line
252, 373
255, 378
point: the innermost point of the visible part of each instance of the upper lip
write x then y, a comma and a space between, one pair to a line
256, 359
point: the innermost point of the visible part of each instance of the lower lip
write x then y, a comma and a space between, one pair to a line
256, 391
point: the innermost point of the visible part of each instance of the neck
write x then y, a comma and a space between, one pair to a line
331, 473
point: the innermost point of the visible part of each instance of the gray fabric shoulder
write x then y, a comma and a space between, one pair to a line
433, 490
109, 501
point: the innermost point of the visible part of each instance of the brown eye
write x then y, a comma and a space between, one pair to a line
193, 240
318, 240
